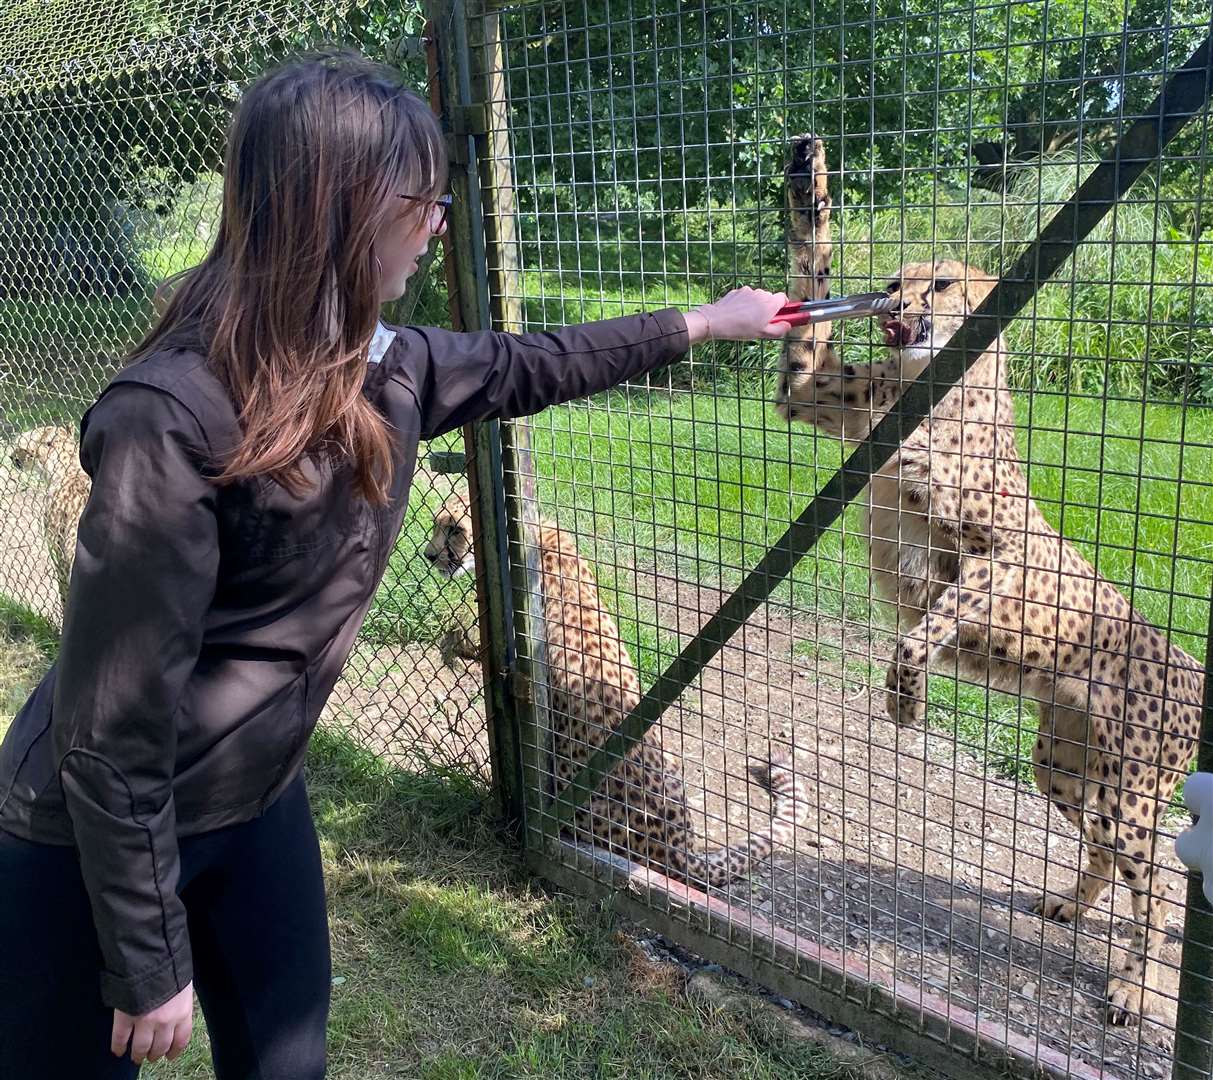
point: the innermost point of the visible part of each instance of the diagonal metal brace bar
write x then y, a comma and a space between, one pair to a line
1185, 94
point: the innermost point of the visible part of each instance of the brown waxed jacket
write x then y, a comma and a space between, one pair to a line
206, 625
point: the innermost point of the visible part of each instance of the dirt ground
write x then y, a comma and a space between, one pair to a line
403, 702
916, 860
26, 575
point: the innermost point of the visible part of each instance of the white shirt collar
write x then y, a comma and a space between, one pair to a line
380, 343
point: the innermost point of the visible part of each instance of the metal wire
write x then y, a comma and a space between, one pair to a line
643, 144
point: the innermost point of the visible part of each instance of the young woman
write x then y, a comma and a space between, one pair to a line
250, 470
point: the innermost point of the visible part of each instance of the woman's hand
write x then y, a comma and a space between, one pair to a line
741, 315
163, 1032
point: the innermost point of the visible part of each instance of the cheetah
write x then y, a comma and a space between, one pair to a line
981, 581
51, 453
641, 811
462, 640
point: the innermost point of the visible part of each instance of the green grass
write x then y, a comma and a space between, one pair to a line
705, 483
414, 604
19, 623
453, 962
181, 236
28, 646
700, 484
1152, 328
55, 357
1132, 487
997, 730
699, 481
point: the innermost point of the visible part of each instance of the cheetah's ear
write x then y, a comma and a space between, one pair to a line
1194, 845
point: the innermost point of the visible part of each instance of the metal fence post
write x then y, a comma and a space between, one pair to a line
503, 266
470, 310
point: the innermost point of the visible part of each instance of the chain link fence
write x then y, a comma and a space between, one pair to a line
112, 125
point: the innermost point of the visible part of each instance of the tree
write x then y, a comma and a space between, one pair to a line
678, 105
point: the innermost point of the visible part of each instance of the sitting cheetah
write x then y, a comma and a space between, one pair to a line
980, 580
53, 455
641, 811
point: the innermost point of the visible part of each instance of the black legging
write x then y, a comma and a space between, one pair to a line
254, 895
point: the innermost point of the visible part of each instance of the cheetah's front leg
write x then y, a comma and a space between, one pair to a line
809, 204
963, 609
806, 348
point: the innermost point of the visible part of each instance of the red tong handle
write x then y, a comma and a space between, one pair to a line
793, 315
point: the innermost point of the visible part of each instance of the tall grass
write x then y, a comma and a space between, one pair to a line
182, 233
1129, 313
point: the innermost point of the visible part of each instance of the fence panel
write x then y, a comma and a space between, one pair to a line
657, 156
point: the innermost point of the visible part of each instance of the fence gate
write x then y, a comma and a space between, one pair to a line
618, 156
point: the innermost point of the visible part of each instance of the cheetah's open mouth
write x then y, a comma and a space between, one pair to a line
898, 333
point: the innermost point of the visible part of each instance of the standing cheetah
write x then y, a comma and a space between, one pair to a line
53, 454
641, 810
980, 580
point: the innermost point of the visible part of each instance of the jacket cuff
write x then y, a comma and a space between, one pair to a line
672, 323
139, 994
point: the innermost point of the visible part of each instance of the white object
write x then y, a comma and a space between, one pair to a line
1194, 845
380, 342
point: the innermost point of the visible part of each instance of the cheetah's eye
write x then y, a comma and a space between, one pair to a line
943, 283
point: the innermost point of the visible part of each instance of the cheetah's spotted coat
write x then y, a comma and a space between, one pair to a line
51, 452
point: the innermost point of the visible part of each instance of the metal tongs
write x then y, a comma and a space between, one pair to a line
845, 307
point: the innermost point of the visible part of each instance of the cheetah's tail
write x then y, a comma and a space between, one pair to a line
788, 813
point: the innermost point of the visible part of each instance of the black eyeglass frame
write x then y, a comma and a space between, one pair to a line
443, 200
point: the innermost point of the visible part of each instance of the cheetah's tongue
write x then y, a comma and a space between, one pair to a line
896, 334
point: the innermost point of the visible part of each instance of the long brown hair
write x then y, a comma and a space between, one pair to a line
287, 300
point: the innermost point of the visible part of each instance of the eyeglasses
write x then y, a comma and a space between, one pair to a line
443, 201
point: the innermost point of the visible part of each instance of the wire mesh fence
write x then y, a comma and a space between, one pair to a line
112, 125
982, 856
